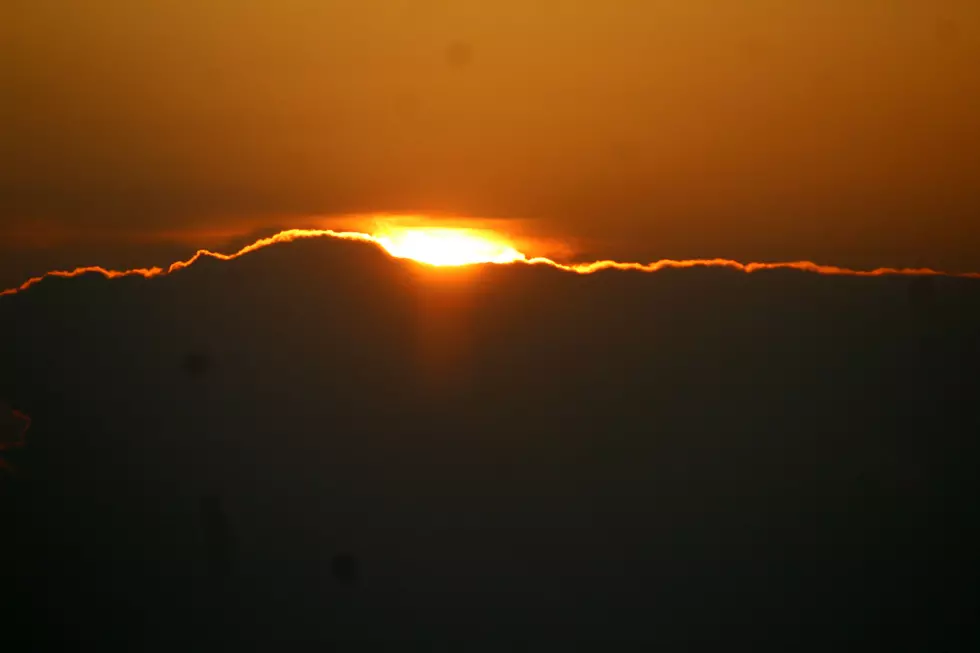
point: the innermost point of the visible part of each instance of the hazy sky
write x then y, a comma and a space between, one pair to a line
846, 131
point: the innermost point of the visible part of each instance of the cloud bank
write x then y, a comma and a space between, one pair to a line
579, 268
318, 442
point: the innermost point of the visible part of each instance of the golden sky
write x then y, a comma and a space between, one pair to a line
844, 131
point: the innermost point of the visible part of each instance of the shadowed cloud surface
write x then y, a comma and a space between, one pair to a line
320, 443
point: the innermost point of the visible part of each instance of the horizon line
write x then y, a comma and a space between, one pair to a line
290, 235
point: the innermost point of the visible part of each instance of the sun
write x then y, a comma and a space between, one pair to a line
444, 246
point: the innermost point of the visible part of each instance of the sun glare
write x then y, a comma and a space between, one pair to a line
446, 246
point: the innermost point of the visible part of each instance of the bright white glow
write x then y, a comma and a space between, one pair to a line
444, 246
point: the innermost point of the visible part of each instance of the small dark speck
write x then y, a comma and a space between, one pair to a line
624, 151
197, 364
947, 31
753, 47
346, 568
459, 54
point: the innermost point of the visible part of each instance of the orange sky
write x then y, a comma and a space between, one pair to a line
846, 132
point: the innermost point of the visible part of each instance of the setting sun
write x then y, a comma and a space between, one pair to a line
447, 246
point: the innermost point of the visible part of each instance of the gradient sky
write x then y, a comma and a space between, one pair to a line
843, 131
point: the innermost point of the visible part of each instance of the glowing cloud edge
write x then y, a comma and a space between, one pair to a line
291, 235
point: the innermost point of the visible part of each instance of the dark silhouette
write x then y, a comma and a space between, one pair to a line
506, 457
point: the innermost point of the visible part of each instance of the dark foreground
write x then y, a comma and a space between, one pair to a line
318, 447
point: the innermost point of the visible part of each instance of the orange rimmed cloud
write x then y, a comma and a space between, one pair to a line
802, 266
286, 236
445, 246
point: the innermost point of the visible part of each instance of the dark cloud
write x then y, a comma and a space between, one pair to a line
496, 455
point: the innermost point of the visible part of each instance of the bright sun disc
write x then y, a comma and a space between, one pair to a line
445, 246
